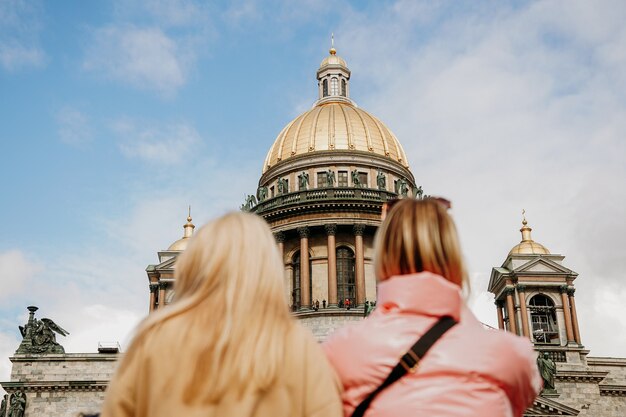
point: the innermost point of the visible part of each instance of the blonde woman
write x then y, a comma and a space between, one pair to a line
451, 365
227, 345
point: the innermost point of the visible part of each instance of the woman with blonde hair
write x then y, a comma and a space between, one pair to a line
422, 352
227, 345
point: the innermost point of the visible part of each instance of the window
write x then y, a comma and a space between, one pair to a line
363, 179
286, 182
342, 178
334, 87
346, 285
272, 192
324, 88
343, 88
296, 292
543, 319
321, 179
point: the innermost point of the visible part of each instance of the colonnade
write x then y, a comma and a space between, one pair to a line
331, 232
572, 329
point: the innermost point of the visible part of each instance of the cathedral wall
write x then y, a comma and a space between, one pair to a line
61, 385
586, 397
322, 325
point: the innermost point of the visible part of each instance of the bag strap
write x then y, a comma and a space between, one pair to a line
410, 361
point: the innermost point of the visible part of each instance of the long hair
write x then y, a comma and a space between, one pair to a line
416, 236
229, 310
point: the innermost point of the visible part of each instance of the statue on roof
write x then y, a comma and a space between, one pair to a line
356, 181
18, 404
39, 336
381, 180
261, 194
547, 369
281, 185
3, 405
419, 192
303, 180
330, 178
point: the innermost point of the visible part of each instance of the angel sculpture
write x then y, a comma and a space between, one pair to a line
39, 336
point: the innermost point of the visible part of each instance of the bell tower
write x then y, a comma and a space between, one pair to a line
534, 297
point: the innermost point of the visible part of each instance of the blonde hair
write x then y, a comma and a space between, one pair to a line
230, 309
416, 236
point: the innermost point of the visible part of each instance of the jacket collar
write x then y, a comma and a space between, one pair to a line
423, 293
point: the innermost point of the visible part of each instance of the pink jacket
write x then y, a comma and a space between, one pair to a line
470, 371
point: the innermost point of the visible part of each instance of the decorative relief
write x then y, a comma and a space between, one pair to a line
303, 232
280, 237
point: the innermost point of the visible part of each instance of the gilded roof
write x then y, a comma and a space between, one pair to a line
528, 246
336, 125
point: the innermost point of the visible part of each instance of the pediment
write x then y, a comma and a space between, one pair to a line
542, 266
546, 407
167, 264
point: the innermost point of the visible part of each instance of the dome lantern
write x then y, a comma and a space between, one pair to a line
528, 245
333, 77
181, 244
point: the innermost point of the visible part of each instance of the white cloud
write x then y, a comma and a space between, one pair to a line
73, 127
16, 272
146, 58
169, 144
19, 32
520, 111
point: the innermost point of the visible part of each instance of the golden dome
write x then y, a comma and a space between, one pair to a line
528, 246
333, 59
335, 125
181, 244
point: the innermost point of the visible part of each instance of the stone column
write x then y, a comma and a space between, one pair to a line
153, 289
521, 292
572, 304
331, 231
359, 229
500, 316
510, 308
305, 290
162, 286
280, 240
567, 313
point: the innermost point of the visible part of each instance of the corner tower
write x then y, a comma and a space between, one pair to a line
324, 181
534, 296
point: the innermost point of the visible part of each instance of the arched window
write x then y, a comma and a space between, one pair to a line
343, 88
346, 284
543, 318
324, 88
295, 283
334, 87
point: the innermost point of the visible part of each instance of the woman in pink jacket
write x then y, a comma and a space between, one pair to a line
468, 371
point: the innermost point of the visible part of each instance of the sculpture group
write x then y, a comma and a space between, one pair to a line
13, 406
39, 336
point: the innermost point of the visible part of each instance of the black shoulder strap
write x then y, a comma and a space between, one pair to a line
410, 360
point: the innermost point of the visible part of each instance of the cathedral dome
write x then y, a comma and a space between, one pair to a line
528, 246
335, 126
335, 123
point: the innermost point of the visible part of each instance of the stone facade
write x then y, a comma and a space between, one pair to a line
61, 385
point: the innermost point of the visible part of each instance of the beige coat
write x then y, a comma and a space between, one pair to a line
307, 387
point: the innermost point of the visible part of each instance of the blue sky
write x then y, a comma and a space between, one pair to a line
117, 115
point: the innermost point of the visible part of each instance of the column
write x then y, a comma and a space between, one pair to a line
567, 313
500, 316
305, 290
331, 231
572, 304
280, 240
521, 292
510, 308
153, 289
162, 286
359, 229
